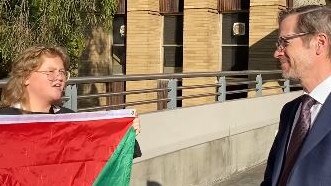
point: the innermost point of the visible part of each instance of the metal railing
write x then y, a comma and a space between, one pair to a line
225, 86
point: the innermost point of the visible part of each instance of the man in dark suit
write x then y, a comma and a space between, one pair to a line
301, 152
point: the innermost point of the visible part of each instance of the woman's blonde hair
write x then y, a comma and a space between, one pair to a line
27, 62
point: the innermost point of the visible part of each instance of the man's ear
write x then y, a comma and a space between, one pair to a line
322, 43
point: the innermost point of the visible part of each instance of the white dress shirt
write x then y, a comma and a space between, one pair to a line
320, 93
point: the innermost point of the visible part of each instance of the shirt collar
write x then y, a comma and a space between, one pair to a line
55, 108
322, 91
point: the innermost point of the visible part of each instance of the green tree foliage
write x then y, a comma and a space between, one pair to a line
66, 23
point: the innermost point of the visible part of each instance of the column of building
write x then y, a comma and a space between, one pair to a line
201, 45
143, 51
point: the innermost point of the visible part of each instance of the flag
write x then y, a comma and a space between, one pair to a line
94, 148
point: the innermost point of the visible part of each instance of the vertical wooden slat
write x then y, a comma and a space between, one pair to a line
115, 87
121, 7
230, 5
162, 94
169, 6
289, 3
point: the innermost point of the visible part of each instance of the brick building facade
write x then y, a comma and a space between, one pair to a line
168, 36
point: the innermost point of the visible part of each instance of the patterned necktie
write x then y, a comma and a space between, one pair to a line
298, 135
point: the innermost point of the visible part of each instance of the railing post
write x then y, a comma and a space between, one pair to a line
221, 89
258, 85
71, 93
172, 94
287, 86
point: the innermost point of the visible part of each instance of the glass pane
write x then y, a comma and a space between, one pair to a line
173, 59
121, 7
235, 58
227, 28
245, 4
119, 29
173, 30
118, 66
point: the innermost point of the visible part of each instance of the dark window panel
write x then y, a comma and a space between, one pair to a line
245, 4
173, 30
227, 28
173, 56
118, 66
289, 3
171, 6
120, 7
235, 58
119, 29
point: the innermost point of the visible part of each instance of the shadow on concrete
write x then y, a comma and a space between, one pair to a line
250, 177
152, 183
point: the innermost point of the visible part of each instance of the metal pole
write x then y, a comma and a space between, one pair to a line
172, 94
222, 89
71, 93
258, 85
287, 86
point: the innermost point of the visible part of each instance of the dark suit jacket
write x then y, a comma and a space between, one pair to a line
313, 166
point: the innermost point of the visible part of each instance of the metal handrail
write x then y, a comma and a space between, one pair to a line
139, 77
169, 90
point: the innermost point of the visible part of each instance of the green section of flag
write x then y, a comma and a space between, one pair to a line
117, 170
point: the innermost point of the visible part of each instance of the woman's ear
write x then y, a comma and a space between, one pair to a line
27, 81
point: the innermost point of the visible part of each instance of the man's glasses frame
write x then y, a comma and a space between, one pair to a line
283, 41
52, 74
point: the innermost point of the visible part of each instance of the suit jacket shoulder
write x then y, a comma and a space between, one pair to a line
286, 116
288, 112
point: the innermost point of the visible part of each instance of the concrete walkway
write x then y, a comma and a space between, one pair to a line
251, 177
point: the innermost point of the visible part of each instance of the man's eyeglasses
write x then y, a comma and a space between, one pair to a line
52, 74
283, 41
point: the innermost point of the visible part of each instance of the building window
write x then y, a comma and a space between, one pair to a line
118, 55
235, 29
118, 49
173, 43
235, 41
172, 11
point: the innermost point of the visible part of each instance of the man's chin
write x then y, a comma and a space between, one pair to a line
289, 76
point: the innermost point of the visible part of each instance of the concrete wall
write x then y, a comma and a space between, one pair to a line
204, 144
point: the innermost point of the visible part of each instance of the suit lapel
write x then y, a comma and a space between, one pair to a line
321, 127
279, 157
287, 123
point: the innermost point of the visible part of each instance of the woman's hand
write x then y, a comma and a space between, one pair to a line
136, 124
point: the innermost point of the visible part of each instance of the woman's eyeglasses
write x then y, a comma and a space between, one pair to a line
53, 74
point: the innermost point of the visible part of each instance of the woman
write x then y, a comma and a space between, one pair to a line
36, 83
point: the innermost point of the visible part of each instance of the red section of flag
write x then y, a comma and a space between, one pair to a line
58, 153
